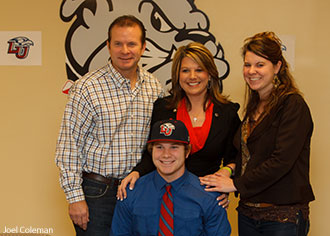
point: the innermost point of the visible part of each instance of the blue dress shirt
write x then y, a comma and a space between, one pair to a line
196, 212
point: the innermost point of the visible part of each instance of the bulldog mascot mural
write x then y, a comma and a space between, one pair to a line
169, 24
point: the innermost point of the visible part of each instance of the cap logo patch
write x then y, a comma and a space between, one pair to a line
167, 129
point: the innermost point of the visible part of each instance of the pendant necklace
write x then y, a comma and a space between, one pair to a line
194, 119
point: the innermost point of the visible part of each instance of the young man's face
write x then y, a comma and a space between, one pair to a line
125, 48
169, 159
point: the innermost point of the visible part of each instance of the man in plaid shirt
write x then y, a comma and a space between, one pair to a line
105, 127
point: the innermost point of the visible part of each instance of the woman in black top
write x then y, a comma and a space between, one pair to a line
272, 166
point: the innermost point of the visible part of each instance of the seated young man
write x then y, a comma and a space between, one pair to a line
169, 200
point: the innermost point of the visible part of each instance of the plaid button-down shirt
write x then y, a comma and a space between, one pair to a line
105, 126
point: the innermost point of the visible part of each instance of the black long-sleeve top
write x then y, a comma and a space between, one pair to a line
278, 170
218, 147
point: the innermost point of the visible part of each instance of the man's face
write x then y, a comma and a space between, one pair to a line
125, 48
169, 159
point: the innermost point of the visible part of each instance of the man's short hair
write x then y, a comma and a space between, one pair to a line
128, 21
187, 147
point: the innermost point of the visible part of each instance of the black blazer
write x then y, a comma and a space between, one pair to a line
218, 146
278, 170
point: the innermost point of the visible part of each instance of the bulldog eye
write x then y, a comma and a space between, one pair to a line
160, 22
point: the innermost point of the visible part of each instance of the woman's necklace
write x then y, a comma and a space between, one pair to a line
197, 115
259, 113
197, 119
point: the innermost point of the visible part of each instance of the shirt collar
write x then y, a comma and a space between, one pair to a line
176, 184
120, 80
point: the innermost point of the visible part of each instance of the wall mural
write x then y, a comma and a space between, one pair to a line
169, 24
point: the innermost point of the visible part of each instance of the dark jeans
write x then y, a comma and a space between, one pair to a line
101, 200
249, 227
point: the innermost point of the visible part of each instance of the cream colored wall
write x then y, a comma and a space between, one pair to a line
31, 109
32, 103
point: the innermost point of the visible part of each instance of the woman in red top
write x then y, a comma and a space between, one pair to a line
196, 99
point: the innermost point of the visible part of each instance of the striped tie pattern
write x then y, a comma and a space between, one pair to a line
166, 214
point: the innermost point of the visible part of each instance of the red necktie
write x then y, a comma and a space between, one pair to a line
166, 214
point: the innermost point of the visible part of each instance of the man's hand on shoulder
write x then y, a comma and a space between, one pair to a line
79, 214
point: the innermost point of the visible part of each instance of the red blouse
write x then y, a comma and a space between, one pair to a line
198, 135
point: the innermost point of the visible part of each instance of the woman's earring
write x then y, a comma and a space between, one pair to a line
209, 84
276, 81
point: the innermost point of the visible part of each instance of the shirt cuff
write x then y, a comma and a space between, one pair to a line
75, 195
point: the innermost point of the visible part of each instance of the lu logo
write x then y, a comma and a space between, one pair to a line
19, 46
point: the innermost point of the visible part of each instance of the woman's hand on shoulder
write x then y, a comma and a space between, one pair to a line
218, 183
223, 200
